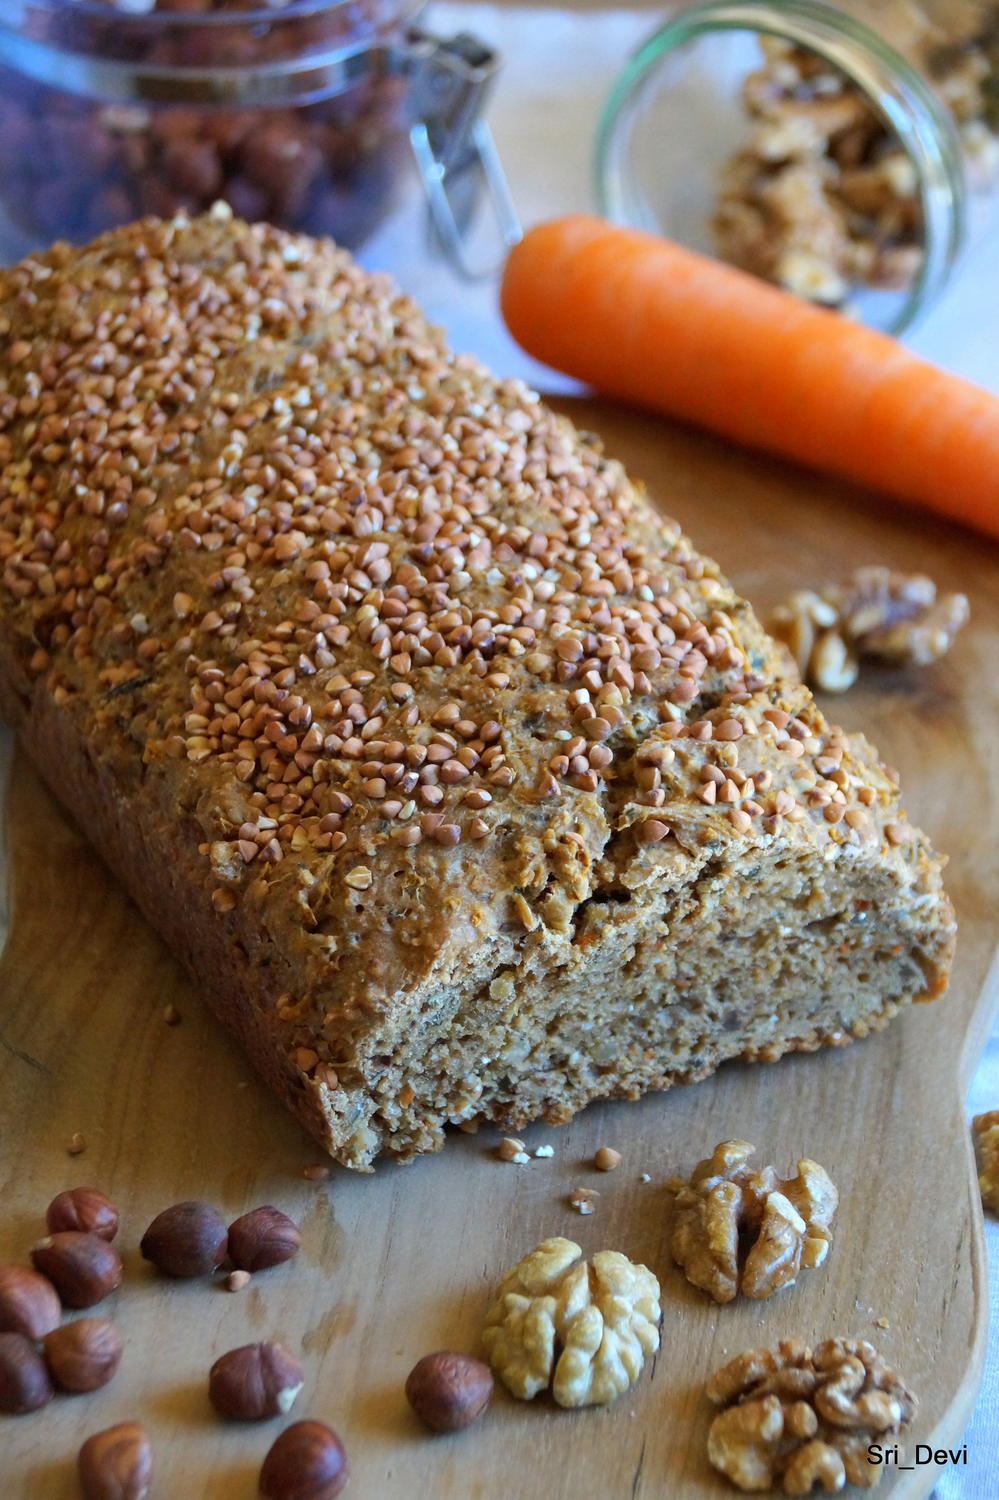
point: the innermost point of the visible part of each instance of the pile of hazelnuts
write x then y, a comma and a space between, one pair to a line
76, 1267
74, 165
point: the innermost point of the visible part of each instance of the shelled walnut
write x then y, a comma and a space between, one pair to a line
807, 624
822, 197
877, 614
793, 1417
581, 1327
740, 1230
819, 198
897, 617
986, 1128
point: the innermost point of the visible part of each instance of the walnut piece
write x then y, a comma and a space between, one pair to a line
877, 614
821, 198
582, 1328
799, 622
794, 1418
897, 617
740, 1230
986, 1128
806, 623
815, 201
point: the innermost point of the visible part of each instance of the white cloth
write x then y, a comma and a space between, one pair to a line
558, 67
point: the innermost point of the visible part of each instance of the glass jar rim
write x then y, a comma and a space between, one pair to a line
82, 63
260, 12
890, 84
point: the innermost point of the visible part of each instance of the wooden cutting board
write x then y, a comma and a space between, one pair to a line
403, 1262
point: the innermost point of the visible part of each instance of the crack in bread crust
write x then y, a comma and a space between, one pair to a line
556, 1043
410, 725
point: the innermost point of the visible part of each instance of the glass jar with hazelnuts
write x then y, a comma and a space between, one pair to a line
307, 113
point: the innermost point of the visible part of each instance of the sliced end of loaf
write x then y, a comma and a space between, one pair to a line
778, 950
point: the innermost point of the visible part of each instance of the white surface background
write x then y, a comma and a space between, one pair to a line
558, 68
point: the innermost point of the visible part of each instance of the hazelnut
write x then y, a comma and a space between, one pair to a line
257, 1380
193, 167
307, 1462
449, 1391
84, 1355
84, 1209
28, 1303
189, 1239
24, 1380
263, 1237
83, 1268
116, 1464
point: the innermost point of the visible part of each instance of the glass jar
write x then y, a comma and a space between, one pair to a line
827, 148
297, 111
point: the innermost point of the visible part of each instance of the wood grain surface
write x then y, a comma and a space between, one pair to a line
402, 1262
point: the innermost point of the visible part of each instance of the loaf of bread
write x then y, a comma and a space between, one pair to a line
463, 786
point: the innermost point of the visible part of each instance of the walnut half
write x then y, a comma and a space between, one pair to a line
986, 1128
806, 623
897, 617
581, 1327
740, 1230
877, 615
794, 1418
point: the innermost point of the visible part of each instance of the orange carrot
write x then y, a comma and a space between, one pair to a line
647, 321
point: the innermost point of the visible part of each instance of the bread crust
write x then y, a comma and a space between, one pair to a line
713, 872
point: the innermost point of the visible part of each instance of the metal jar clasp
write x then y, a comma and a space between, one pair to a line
453, 146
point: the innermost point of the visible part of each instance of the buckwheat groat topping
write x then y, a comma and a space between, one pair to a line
360, 559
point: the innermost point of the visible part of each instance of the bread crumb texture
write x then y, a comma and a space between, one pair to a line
462, 784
